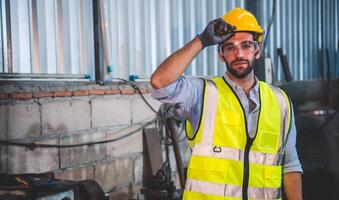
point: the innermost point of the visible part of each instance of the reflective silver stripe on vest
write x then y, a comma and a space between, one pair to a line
210, 113
206, 147
218, 189
236, 154
284, 107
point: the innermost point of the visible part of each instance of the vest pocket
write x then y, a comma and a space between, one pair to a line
268, 141
208, 169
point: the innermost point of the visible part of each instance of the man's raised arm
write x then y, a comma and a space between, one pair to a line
174, 66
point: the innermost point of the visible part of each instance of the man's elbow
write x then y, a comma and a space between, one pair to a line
156, 82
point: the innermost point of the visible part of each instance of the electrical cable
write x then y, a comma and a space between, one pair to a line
163, 139
160, 114
136, 87
164, 113
182, 136
143, 97
35, 145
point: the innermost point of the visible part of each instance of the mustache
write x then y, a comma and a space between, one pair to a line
240, 60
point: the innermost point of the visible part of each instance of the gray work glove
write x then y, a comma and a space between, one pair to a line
216, 32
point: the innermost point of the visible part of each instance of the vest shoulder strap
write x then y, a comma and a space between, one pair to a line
209, 95
285, 105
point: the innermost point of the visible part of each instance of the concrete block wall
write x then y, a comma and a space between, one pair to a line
65, 114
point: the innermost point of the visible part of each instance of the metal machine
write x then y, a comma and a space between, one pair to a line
316, 105
46, 187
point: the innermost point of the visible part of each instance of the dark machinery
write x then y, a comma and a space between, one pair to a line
159, 186
316, 105
46, 187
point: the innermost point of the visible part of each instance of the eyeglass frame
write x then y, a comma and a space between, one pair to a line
221, 46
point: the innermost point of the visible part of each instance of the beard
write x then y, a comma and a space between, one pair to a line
240, 74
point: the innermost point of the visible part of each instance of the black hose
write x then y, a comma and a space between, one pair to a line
33, 145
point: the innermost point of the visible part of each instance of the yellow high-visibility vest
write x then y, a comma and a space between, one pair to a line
226, 164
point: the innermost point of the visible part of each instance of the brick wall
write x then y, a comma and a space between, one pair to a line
70, 113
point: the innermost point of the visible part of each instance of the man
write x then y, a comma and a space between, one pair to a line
241, 130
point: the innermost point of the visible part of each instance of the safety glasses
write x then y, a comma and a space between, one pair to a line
244, 46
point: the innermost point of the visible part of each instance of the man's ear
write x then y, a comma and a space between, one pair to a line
221, 55
257, 53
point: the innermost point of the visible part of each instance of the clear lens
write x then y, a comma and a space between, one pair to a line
245, 46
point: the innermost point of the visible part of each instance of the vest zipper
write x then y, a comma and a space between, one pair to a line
249, 143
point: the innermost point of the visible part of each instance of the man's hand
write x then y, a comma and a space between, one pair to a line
216, 32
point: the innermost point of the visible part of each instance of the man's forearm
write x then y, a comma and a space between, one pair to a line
174, 66
293, 185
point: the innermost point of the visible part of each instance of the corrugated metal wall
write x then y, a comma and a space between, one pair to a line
56, 36
143, 33
306, 30
47, 36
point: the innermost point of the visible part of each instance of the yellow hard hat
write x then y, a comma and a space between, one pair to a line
243, 20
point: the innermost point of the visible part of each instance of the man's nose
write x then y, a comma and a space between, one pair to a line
239, 53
